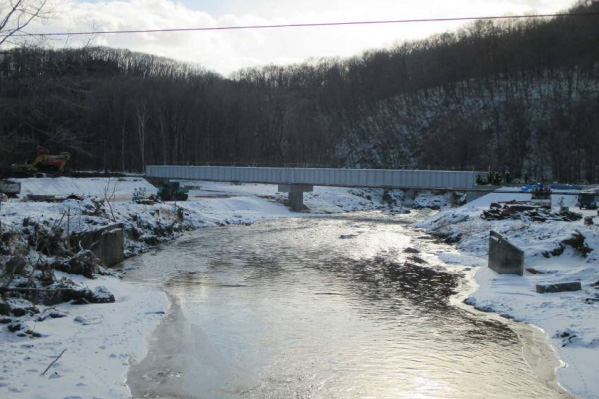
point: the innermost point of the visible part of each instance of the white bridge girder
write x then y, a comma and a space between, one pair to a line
296, 181
375, 178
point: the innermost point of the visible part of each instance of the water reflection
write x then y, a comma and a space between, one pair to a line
292, 309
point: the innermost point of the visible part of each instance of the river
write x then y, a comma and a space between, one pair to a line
350, 306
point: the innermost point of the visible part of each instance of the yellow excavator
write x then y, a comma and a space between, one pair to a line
44, 162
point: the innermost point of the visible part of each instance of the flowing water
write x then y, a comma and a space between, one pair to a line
323, 308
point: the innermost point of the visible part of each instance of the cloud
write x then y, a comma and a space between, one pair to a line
226, 51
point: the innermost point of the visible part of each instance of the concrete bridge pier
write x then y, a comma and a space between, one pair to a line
296, 194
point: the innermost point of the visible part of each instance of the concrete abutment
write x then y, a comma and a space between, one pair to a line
505, 257
107, 243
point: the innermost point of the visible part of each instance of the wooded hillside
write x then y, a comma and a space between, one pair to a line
521, 95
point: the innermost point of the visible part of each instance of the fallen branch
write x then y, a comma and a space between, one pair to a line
55, 360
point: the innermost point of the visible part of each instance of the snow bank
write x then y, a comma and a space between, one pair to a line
121, 187
101, 341
571, 318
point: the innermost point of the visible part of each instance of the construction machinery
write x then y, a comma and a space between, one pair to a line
172, 191
43, 162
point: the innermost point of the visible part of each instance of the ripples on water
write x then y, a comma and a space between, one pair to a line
290, 309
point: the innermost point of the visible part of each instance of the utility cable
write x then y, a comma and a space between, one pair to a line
305, 25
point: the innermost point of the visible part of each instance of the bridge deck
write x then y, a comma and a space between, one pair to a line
376, 178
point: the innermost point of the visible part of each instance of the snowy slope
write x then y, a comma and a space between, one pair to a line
570, 319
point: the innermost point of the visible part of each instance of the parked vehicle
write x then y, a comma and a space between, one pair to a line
588, 199
172, 191
10, 188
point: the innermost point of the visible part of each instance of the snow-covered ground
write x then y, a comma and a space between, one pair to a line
571, 319
121, 187
102, 340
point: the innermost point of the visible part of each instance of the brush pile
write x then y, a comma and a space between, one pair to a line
527, 210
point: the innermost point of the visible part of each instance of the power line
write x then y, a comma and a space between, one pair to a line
306, 25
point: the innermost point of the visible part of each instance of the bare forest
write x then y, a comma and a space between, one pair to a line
517, 95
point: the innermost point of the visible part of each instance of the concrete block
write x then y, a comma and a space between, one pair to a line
108, 243
505, 257
558, 287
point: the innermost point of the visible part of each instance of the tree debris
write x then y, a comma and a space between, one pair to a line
527, 210
576, 241
55, 360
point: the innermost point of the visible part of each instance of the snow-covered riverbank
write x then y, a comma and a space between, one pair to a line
103, 340
570, 319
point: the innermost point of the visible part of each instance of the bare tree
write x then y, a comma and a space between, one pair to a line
141, 110
16, 15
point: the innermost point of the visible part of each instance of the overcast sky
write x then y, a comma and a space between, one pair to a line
226, 51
